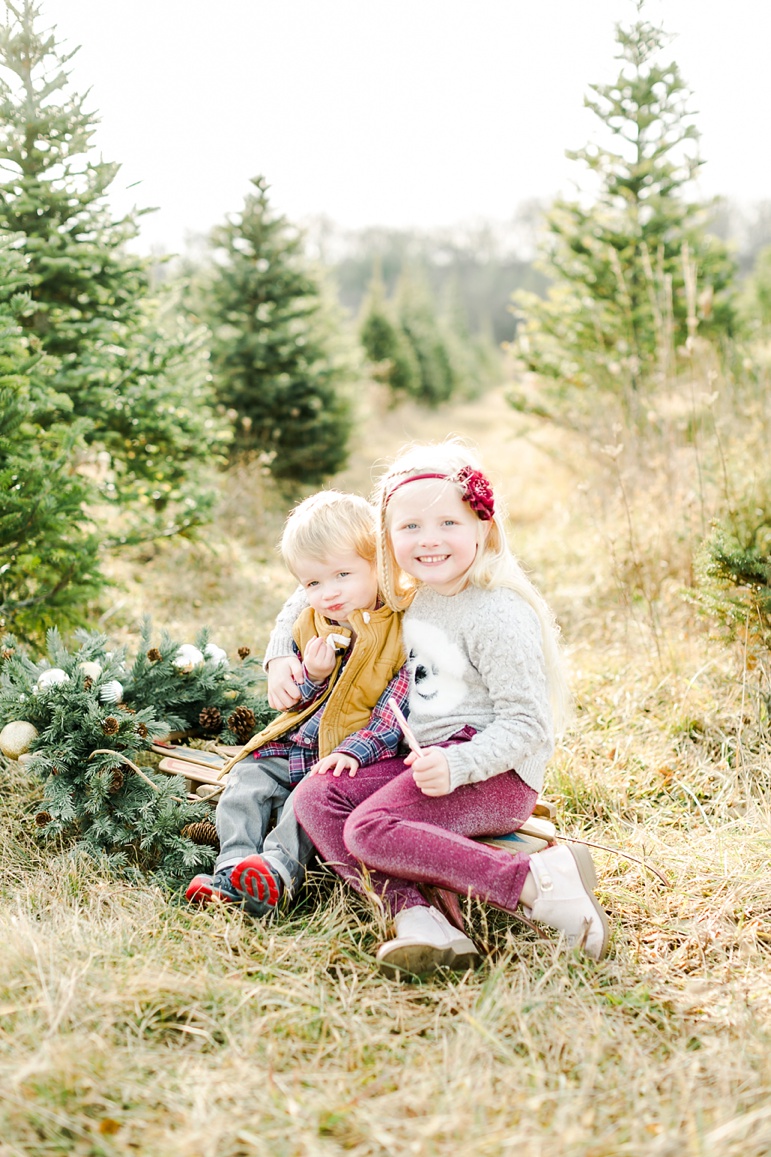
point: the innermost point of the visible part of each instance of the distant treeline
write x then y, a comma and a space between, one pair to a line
478, 267
474, 268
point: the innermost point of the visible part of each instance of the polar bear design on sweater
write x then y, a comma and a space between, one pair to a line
437, 669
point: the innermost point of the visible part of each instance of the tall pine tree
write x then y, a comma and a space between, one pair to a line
48, 546
116, 369
634, 272
272, 351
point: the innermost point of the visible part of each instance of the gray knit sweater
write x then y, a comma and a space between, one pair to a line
476, 659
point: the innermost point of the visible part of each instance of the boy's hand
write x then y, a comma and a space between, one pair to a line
283, 672
319, 658
430, 771
337, 763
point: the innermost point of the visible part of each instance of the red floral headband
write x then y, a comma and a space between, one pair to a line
474, 488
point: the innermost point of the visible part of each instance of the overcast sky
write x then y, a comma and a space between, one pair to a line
394, 112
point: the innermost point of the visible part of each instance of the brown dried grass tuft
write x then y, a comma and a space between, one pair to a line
134, 1024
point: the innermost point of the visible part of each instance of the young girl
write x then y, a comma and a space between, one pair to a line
486, 692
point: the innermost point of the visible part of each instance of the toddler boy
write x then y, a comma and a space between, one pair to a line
351, 658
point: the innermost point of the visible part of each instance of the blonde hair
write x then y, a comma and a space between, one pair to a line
327, 524
494, 563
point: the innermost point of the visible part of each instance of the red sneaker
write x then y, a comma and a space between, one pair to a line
255, 878
202, 889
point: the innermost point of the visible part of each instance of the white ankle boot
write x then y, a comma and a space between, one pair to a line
565, 879
424, 942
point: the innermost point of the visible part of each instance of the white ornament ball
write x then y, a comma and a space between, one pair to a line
188, 656
16, 737
53, 677
111, 692
216, 654
91, 669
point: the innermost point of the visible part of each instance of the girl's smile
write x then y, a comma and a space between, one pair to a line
434, 534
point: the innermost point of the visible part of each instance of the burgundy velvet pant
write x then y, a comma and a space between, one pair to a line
380, 819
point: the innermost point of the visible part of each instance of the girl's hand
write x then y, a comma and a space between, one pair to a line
319, 658
337, 763
283, 672
430, 771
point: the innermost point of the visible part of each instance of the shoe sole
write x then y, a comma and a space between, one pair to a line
254, 877
203, 894
424, 959
588, 874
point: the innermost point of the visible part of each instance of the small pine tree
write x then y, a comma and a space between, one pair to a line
385, 344
272, 357
475, 359
756, 297
734, 570
418, 321
635, 271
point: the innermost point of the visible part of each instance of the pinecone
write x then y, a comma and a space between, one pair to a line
110, 725
117, 779
203, 832
43, 818
210, 719
242, 722
244, 652
7, 654
88, 683
142, 731
154, 655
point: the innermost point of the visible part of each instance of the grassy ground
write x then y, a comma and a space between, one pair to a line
131, 1023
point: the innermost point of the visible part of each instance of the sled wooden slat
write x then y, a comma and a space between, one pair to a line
210, 759
191, 771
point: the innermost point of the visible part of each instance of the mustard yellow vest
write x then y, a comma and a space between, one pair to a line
378, 653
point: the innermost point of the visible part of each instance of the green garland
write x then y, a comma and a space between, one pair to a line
95, 715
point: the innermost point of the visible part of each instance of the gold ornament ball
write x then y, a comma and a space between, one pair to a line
16, 737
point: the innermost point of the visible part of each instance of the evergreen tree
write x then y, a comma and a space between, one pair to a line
418, 321
756, 296
475, 359
116, 369
386, 345
733, 569
272, 356
48, 546
634, 272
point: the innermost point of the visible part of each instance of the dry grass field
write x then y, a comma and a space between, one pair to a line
132, 1024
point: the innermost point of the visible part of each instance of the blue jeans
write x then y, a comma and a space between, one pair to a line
257, 790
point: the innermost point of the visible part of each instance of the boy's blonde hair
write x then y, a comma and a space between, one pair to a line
327, 524
494, 564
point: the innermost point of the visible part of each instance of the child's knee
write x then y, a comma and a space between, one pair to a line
367, 830
308, 798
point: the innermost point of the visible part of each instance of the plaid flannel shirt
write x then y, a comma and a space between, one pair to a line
379, 740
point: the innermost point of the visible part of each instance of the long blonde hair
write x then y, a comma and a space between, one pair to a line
494, 564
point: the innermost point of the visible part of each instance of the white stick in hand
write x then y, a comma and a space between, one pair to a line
409, 734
